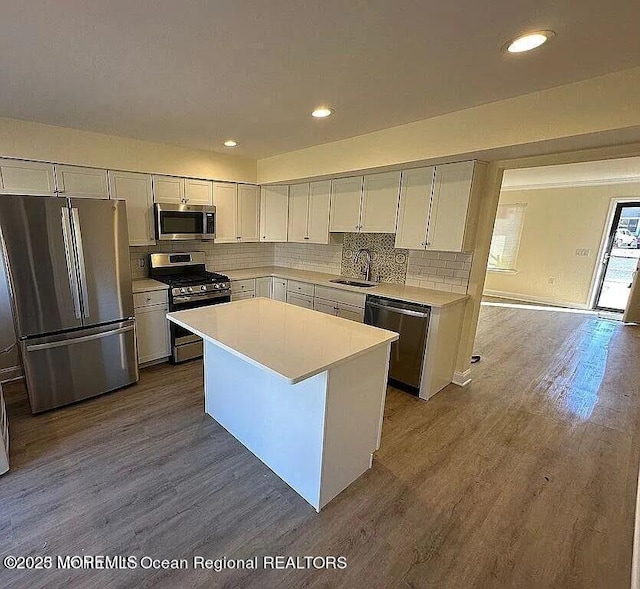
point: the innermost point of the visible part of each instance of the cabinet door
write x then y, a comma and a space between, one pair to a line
248, 212
345, 205
263, 287
300, 300
82, 182
21, 177
351, 313
448, 217
152, 328
198, 192
318, 216
168, 189
136, 190
328, 307
298, 212
413, 212
279, 289
380, 202
225, 199
274, 210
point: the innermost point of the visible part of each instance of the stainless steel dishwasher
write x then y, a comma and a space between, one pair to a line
411, 321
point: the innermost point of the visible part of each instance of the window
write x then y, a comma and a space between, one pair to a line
506, 237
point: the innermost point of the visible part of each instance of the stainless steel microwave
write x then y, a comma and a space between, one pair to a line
181, 222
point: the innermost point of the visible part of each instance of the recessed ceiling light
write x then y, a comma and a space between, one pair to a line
529, 41
230, 143
322, 112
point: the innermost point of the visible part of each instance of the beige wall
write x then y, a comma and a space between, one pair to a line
558, 221
567, 114
28, 140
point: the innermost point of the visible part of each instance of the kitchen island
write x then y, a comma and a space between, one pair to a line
303, 391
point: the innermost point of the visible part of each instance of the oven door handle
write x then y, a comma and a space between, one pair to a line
203, 297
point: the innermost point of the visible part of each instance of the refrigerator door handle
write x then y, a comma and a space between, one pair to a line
71, 267
79, 340
80, 251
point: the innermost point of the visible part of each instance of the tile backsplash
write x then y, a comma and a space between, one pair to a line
387, 263
437, 270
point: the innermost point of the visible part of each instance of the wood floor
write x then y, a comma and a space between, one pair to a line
526, 478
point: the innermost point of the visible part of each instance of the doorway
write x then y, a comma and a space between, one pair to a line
620, 258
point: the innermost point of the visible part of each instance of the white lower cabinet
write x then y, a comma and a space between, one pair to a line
263, 287
243, 289
341, 303
152, 326
279, 289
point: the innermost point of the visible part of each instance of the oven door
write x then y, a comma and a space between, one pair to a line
184, 344
184, 222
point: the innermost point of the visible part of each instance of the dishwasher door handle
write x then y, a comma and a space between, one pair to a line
399, 311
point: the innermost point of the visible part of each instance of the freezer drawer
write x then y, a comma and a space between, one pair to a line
62, 369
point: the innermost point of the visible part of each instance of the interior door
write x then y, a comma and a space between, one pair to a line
102, 246
36, 235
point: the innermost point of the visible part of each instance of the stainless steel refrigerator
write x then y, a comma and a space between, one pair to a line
67, 261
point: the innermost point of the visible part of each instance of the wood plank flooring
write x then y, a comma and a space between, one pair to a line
526, 478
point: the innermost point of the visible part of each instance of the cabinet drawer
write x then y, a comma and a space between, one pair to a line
300, 300
150, 297
243, 285
300, 288
340, 296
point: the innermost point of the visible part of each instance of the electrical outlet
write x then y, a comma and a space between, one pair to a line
552, 280
142, 262
583, 252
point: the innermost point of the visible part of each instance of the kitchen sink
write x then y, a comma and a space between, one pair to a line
349, 282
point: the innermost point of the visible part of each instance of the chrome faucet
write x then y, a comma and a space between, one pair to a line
365, 269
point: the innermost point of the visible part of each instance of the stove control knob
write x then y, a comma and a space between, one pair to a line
182, 290
189, 289
203, 287
217, 286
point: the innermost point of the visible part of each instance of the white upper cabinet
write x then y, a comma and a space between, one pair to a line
136, 190
346, 195
80, 182
248, 212
298, 211
22, 177
274, 210
318, 215
169, 189
435, 211
237, 212
380, 202
225, 199
365, 204
198, 192
309, 212
450, 206
413, 212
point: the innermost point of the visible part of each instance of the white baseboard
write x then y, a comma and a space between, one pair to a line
531, 299
635, 559
462, 379
11, 373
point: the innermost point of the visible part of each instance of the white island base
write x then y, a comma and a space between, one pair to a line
302, 390
318, 435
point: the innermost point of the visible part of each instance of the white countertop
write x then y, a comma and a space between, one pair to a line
147, 284
411, 294
287, 340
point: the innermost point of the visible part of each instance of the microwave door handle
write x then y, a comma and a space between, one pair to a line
71, 267
81, 267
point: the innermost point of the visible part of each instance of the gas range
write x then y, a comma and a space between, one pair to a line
191, 286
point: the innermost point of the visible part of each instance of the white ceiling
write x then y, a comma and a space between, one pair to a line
197, 72
621, 170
